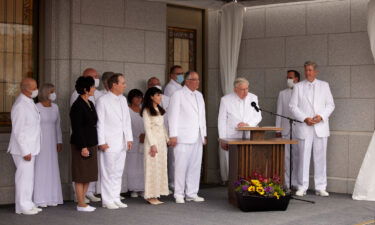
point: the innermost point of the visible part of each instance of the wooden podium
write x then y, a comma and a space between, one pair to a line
257, 154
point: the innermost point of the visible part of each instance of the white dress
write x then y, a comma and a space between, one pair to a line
47, 185
364, 188
134, 174
156, 172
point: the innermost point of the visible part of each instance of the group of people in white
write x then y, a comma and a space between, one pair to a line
309, 101
152, 143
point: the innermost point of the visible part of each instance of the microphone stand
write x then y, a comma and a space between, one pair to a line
291, 120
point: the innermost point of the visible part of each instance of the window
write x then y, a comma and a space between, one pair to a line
17, 51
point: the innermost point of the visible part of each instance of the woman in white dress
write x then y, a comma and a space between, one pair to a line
155, 147
135, 180
47, 185
364, 188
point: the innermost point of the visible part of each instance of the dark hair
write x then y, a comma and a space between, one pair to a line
84, 84
148, 104
133, 93
296, 74
113, 79
173, 68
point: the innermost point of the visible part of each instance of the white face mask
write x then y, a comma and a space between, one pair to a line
97, 81
290, 83
34, 93
159, 87
52, 96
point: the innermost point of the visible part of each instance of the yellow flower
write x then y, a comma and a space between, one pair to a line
260, 190
251, 189
276, 195
255, 182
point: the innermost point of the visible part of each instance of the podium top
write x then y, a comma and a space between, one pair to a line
273, 141
259, 129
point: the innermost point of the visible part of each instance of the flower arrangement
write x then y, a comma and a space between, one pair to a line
258, 185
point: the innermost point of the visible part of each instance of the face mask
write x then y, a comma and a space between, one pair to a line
34, 93
97, 82
52, 96
158, 87
180, 78
290, 83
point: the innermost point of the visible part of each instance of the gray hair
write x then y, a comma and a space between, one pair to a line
188, 73
311, 63
105, 77
240, 80
45, 91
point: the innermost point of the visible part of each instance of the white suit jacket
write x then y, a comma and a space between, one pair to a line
171, 87
230, 115
97, 95
302, 107
283, 109
26, 131
114, 123
186, 118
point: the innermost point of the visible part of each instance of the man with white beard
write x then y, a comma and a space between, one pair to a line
115, 137
283, 100
90, 72
24, 145
235, 112
187, 131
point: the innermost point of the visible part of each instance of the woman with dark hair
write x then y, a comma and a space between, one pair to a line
155, 147
84, 141
133, 179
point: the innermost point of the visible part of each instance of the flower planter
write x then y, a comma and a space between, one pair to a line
255, 203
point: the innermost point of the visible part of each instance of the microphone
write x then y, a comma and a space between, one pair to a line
254, 105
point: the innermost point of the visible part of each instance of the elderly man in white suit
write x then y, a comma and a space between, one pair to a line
24, 145
176, 78
115, 138
90, 72
187, 131
283, 100
235, 111
312, 102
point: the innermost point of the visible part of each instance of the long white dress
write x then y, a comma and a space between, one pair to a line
47, 185
134, 171
364, 188
156, 172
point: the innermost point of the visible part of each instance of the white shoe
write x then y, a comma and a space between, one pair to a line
121, 205
195, 199
122, 197
38, 209
134, 194
93, 198
180, 200
43, 206
111, 206
300, 193
322, 193
86, 209
30, 212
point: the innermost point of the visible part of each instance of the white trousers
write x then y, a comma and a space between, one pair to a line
24, 180
295, 166
224, 164
318, 146
111, 169
171, 167
188, 161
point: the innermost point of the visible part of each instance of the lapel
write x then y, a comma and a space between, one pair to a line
191, 98
116, 109
316, 93
32, 105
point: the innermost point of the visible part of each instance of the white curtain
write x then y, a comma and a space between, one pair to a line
364, 188
230, 40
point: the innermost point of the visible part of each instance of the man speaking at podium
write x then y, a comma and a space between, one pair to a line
235, 111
